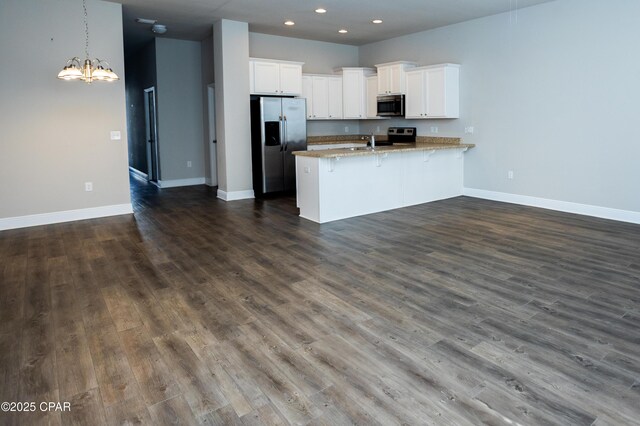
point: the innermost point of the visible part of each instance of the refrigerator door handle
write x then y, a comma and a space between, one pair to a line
285, 139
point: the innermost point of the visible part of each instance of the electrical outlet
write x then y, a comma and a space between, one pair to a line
88, 186
115, 135
469, 130
434, 129
188, 163
510, 174
378, 129
346, 129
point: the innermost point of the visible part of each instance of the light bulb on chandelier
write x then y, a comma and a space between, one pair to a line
89, 70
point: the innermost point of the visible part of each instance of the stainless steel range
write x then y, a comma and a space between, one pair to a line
399, 135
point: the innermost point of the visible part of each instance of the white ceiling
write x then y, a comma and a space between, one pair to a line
193, 19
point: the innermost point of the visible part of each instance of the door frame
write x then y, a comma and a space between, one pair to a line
153, 152
212, 138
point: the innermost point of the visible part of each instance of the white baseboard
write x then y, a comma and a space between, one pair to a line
235, 195
562, 206
180, 182
64, 216
208, 182
138, 173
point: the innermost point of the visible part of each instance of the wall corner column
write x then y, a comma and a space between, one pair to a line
233, 115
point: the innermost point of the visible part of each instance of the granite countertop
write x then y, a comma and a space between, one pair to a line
340, 139
346, 152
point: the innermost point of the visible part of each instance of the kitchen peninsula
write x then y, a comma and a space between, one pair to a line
335, 184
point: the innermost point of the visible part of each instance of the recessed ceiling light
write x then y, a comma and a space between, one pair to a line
289, 23
377, 21
343, 31
159, 28
321, 10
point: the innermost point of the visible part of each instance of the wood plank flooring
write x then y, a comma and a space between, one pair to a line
196, 311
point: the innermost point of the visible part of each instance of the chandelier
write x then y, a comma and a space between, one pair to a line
89, 70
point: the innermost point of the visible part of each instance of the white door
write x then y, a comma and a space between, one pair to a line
213, 143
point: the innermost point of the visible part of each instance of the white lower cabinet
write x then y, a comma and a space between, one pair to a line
324, 96
433, 92
330, 189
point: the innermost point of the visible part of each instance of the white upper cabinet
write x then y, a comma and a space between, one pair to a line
307, 92
354, 92
273, 77
335, 97
391, 77
433, 92
372, 96
324, 96
320, 97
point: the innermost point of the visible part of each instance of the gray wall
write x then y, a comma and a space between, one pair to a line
55, 134
319, 58
140, 74
551, 92
180, 112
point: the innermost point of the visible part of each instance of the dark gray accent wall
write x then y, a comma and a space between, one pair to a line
140, 72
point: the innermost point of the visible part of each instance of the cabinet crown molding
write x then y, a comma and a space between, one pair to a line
386, 64
278, 61
428, 67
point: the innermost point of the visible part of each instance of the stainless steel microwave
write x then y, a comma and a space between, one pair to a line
391, 106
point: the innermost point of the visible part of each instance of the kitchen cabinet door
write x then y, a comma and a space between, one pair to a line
372, 96
433, 92
335, 97
320, 97
266, 77
307, 93
273, 77
396, 79
353, 94
415, 97
436, 102
384, 80
290, 79
391, 77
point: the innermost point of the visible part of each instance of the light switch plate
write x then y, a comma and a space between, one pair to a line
116, 135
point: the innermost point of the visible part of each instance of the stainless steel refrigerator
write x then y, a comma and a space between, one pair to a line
278, 127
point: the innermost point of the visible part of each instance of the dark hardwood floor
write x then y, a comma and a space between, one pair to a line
196, 311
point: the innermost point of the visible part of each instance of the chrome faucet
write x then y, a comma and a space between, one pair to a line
372, 140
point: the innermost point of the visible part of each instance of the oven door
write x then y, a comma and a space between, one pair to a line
391, 106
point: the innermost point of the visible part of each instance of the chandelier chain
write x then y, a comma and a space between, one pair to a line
86, 30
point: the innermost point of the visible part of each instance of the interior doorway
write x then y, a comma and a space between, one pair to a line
213, 143
151, 132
